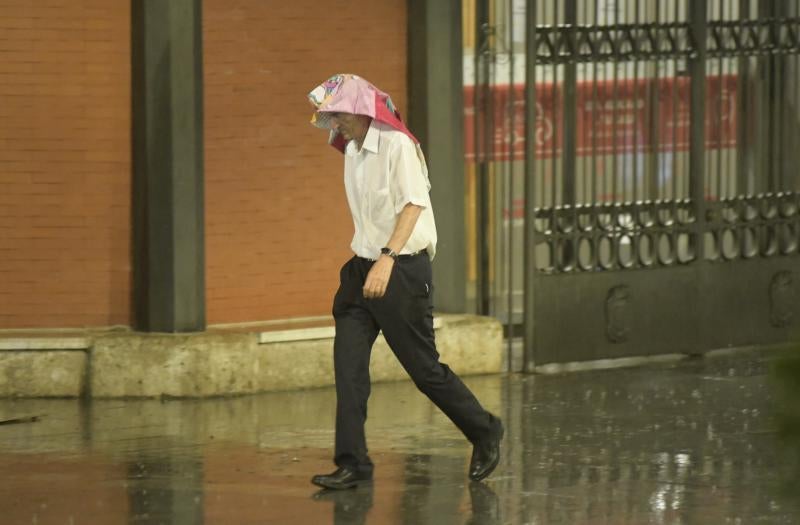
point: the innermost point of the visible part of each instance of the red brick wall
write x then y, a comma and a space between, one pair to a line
277, 225
64, 163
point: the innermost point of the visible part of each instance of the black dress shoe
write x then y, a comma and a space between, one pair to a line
342, 478
486, 456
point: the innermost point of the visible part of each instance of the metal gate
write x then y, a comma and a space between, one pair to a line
639, 193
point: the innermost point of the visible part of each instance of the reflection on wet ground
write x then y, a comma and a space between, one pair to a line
693, 442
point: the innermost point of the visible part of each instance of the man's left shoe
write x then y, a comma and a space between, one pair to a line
486, 456
342, 478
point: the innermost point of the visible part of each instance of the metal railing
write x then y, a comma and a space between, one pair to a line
630, 135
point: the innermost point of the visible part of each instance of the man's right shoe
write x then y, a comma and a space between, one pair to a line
486, 456
342, 478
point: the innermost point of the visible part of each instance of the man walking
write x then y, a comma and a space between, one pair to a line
387, 285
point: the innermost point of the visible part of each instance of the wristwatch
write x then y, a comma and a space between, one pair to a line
388, 251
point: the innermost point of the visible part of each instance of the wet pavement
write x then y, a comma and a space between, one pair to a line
692, 442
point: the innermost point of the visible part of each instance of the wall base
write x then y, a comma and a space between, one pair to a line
218, 362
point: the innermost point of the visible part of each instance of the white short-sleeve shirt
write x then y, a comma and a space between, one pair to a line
380, 179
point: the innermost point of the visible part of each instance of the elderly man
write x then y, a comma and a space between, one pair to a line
387, 285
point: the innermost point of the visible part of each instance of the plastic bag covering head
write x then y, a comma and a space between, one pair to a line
347, 93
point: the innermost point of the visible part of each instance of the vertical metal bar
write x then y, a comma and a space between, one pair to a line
568, 151
730, 73
608, 155
542, 193
776, 102
727, 183
686, 168
708, 183
794, 115
675, 101
614, 103
763, 177
476, 137
786, 142
697, 69
529, 327
510, 203
595, 236
487, 182
734, 74
758, 172
795, 186
720, 86
556, 128
773, 110
637, 91
743, 113
779, 103
653, 101
482, 123
585, 167
593, 131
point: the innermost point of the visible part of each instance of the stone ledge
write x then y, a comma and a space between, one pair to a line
219, 362
44, 343
312, 333
43, 373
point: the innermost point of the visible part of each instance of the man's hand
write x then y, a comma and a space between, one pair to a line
378, 277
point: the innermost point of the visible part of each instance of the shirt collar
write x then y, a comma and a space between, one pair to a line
372, 138
371, 141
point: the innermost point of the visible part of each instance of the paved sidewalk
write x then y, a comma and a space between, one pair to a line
693, 442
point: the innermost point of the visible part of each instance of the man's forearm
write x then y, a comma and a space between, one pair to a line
404, 227
378, 277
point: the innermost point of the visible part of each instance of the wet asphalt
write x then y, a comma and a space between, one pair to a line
690, 442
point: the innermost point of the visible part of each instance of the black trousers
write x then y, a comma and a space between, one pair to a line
405, 315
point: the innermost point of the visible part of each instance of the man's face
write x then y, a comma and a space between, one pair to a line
352, 127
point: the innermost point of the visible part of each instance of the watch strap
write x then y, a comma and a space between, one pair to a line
388, 251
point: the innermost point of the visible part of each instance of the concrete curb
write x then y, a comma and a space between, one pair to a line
218, 362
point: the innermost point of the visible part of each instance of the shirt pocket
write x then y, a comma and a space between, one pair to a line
381, 206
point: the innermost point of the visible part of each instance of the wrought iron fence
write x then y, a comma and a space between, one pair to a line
660, 133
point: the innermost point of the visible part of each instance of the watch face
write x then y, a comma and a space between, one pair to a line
386, 251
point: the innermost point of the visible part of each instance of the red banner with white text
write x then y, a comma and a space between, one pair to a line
612, 117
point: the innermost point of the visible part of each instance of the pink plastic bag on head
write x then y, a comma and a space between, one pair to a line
346, 93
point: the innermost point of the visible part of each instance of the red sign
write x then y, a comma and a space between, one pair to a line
612, 117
